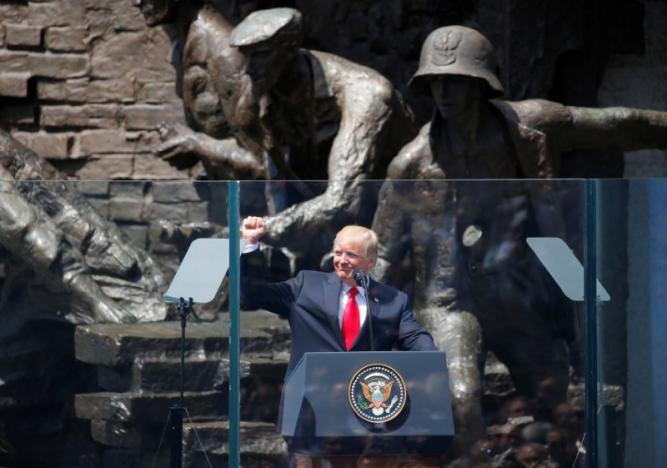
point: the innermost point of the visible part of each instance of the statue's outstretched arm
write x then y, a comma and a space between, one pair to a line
621, 128
353, 155
51, 227
222, 159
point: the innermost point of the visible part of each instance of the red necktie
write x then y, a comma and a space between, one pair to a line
350, 327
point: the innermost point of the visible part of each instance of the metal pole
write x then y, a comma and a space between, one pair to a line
176, 436
590, 307
234, 439
183, 313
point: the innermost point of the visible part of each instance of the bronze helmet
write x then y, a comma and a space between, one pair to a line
457, 50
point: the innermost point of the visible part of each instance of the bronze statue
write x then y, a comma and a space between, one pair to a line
476, 283
205, 35
321, 118
46, 224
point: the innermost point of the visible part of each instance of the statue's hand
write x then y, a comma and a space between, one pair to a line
181, 147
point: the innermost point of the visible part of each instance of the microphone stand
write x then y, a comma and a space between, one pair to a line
362, 281
176, 412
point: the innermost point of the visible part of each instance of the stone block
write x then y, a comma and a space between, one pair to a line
108, 167
126, 209
20, 35
47, 145
84, 90
2, 35
94, 188
56, 13
266, 366
163, 375
156, 93
128, 188
175, 192
12, 12
118, 345
71, 39
149, 117
201, 374
94, 115
116, 434
58, 66
14, 84
70, 90
259, 441
167, 212
113, 141
149, 166
198, 212
127, 18
148, 62
113, 345
146, 408
120, 15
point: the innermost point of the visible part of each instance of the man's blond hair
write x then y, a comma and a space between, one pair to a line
362, 236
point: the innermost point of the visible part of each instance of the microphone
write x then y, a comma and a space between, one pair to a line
358, 277
362, 281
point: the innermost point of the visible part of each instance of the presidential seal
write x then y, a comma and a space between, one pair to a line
377, 393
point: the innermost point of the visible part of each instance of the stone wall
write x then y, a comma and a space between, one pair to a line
86, 84
141, 209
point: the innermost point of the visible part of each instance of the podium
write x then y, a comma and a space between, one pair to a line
340, 404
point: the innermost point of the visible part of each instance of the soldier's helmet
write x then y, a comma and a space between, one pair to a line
457, 50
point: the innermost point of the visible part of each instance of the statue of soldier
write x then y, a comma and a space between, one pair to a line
205, 34
476, 282
209, 137
322, 117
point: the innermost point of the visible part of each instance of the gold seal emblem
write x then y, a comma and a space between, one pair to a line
377, 393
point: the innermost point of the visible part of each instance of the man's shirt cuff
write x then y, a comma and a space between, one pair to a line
248, 248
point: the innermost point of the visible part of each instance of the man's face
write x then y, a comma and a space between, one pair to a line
202, 101
516, 407
347, 256
157, 11
531, 455
266, 62
454, 94
565, 416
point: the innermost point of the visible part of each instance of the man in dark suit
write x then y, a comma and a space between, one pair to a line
329, 312
319, 305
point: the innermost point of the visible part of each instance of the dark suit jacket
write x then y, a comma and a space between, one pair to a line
310, 303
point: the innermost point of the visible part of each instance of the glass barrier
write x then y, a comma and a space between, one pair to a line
631, 261
493, 271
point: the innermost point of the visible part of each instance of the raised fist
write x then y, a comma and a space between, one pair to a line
252, 229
